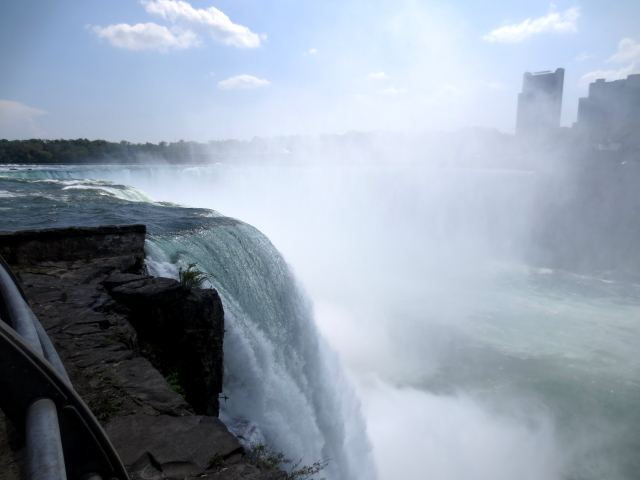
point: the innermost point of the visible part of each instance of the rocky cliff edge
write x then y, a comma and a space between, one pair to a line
145, 353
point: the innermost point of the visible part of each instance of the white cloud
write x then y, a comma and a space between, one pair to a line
582, 57
17, 120
553, 22
312, 51
628, 51
609, 75
242, 81
146, 36
221, 28
377, 76
392, 91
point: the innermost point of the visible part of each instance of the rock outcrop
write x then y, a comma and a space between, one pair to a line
180, 330
144, 353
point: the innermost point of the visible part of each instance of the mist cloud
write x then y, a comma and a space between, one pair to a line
392, 91
628, 51
242, 82
146, 36
377, 76
212, 20
553, 22
582, 57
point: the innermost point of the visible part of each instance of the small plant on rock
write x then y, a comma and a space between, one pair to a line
264, 455
174, 382
192, 277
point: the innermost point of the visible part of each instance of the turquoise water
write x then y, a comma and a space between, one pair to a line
461, 361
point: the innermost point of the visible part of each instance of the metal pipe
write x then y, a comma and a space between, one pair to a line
45, 460
22, 326
18, 311
49, 350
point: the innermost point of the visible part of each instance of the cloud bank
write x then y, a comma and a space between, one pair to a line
182, 34
11, 112
211, 20
553, 22
147, 36
242, 82
628, 51
17, 120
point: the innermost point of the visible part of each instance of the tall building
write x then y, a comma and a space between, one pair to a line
540, 103
611, 112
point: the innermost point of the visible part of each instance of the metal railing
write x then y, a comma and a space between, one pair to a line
63, 438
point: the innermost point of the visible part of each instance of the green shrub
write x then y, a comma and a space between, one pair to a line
192, 277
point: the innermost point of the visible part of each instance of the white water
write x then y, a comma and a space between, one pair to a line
469, 364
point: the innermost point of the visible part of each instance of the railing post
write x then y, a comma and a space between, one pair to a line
45, 460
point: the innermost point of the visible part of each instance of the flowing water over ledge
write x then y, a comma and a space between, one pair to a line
469, 364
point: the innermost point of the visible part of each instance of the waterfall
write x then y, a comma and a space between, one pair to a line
285, 387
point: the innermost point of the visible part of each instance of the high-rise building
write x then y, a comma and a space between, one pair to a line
611, 112
540, 103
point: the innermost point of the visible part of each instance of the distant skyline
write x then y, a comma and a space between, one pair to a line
157, 70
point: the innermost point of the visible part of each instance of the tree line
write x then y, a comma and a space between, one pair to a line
82, 150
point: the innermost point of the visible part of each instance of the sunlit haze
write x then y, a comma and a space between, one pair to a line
168, 70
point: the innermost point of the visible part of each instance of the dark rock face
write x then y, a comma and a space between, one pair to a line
180, 330
74, 243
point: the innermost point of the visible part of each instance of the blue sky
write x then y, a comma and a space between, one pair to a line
207, 70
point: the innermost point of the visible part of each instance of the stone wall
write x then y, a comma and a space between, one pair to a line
73, 243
